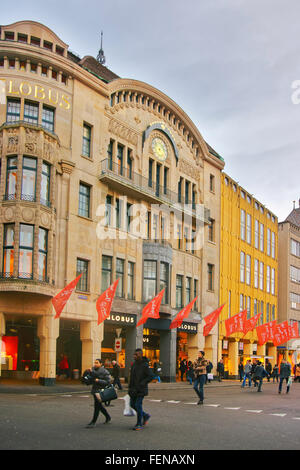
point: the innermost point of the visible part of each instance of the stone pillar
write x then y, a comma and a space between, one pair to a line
234, 358
248, 349
195, 344
2, 333
273, 352
261, 351
134, 340
91, 336
48, 332
168, 354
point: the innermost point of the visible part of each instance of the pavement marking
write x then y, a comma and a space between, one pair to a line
254, 411
66, 395
191, 403
295, 418
277, 414
84, 396
157, 400
231, 408
215, 406
173, 401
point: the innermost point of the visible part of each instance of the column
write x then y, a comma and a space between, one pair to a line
48, 332
91, 336
134, 340
2, 333
261, 351
248, 350
273, 353
168, 354
233, 358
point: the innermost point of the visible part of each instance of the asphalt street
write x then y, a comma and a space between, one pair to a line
230, 419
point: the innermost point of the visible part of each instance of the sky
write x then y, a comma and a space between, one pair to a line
233, 66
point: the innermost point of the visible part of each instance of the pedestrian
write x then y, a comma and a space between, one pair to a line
101, 378
183, 368
284, 374
247, 373
209, 368
241, 371
275, 373
254, 364
220, 370
156, 372
268, 369
116, 375
200, 376
140, 376
190, 373
297, 373
259, 374
63, 367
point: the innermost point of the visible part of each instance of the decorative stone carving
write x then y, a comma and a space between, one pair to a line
12, 144
8, 214
31, 141
49, 148
123, 131
28, 215
45, 220
188, 169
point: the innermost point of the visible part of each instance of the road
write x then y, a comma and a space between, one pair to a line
230, 419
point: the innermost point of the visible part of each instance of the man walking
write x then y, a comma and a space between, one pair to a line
269, 369
220, 370
247, 373
116, 375
241, 371
259, 374
101, 378
200, 376
140, 376
284, 374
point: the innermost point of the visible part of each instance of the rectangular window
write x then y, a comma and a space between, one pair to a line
120, 276
248, 308
119, 207
45, 185
268, 282
256, 234
129, 217
166, 172
164, 281
129, 164
268, 242
150, 174
26, 251
273, 312
31, 113
8, 250
261, 275
11, 178
248, 270
188, 290
262, 311
273, 247
255, 306
195, 307
295, 248
86, 140
108, 206
187, 192
261, 237
241, 302
243, 224
249, 228
242, 267
295, 300
110, 154
130, 280
210, 274
179, 297
82, 267
48, 118
120, 151
84, 200
180, 189
149, 288
13, 110
106, 274
212, 183
273, 281
256, 273
294, 274
43, 252
211, 230
28, 179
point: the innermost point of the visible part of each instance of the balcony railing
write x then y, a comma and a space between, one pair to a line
21, 277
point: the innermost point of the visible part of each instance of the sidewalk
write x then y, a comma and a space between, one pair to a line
75, 386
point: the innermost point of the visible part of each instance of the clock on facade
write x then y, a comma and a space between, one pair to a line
159, 149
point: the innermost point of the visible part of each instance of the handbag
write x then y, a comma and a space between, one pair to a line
108, 393
210, 376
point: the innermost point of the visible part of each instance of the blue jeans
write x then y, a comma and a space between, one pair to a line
281, 380
190, 379
246, 376
199, 386
137, 404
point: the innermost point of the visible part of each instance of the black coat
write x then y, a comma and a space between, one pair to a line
103, 376
116, 371
140, 376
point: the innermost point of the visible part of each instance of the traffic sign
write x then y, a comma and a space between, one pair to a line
118, 344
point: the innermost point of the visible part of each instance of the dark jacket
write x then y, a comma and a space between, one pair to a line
209, 367
104, 379
140, 376
260, 372
116, 371
269, 368
285, 370
220, 367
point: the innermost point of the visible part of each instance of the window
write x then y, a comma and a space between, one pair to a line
130, 280
164, 281
242, 266
248, 307
48, 45
294, 274
45, 185
194, 195
210, 273
26, 251
84, 200
268, 279
295, 300
256, 273
82, 267
9, 36
150, 173
243, 224
295, 248
120, 276
195, 294
261, 237
255, 306
256, 234
120, 151
110, 154
31, 113
188, 290
179, 297
261, 275
129, 217
129, 164
273, 245
149, 287
273, 312
118, 213
106, 275
179, 189
13, 110
211, 230
273, 281
28, 179
262, 310
241, 302
48, 118
249, 228
212, 183
35, 41
43, 249
11, 178
187, 191
229, 304
166, 171
86, 140
108, 204
248, 270
8, 250
268, 242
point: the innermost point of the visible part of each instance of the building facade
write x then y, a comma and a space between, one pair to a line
289, 280
107, 177
248, 272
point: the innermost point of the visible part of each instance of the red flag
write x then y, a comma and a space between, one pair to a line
251, 323
184, 313
236, 323
281, 333
151, 310
293, 330
211, 320
265, 332
103, 304
60, 300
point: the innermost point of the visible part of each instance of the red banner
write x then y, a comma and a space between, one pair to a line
266, 332
211, 320
236, 323
293, 330
182, 314
60, 300
151, 310
251, 323
281, 333
103, 304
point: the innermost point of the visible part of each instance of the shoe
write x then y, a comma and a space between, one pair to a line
259, 390
91, 425
279, 391
108, 420
145, 420
200, 402
138, 427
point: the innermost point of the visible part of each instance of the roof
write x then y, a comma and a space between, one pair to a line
213, 152
93, 66
294, 217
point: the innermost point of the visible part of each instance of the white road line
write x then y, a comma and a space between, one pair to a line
231, 408
295, 418
191, 403
254, 411
155, 400
84, 396
277, 414
214, 406
66, 395
173, 401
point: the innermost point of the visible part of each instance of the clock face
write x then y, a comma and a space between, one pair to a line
159, 149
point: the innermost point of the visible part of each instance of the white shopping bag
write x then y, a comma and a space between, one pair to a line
128, 411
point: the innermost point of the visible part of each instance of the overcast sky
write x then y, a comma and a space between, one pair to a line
229, 64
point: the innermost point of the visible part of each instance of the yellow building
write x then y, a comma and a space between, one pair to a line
248, 272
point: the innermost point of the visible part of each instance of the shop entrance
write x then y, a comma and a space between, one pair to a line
108, 353
151, 345
68, 345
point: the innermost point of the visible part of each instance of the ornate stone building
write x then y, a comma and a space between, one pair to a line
110, 178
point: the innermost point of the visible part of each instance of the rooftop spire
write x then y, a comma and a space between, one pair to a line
101, 56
